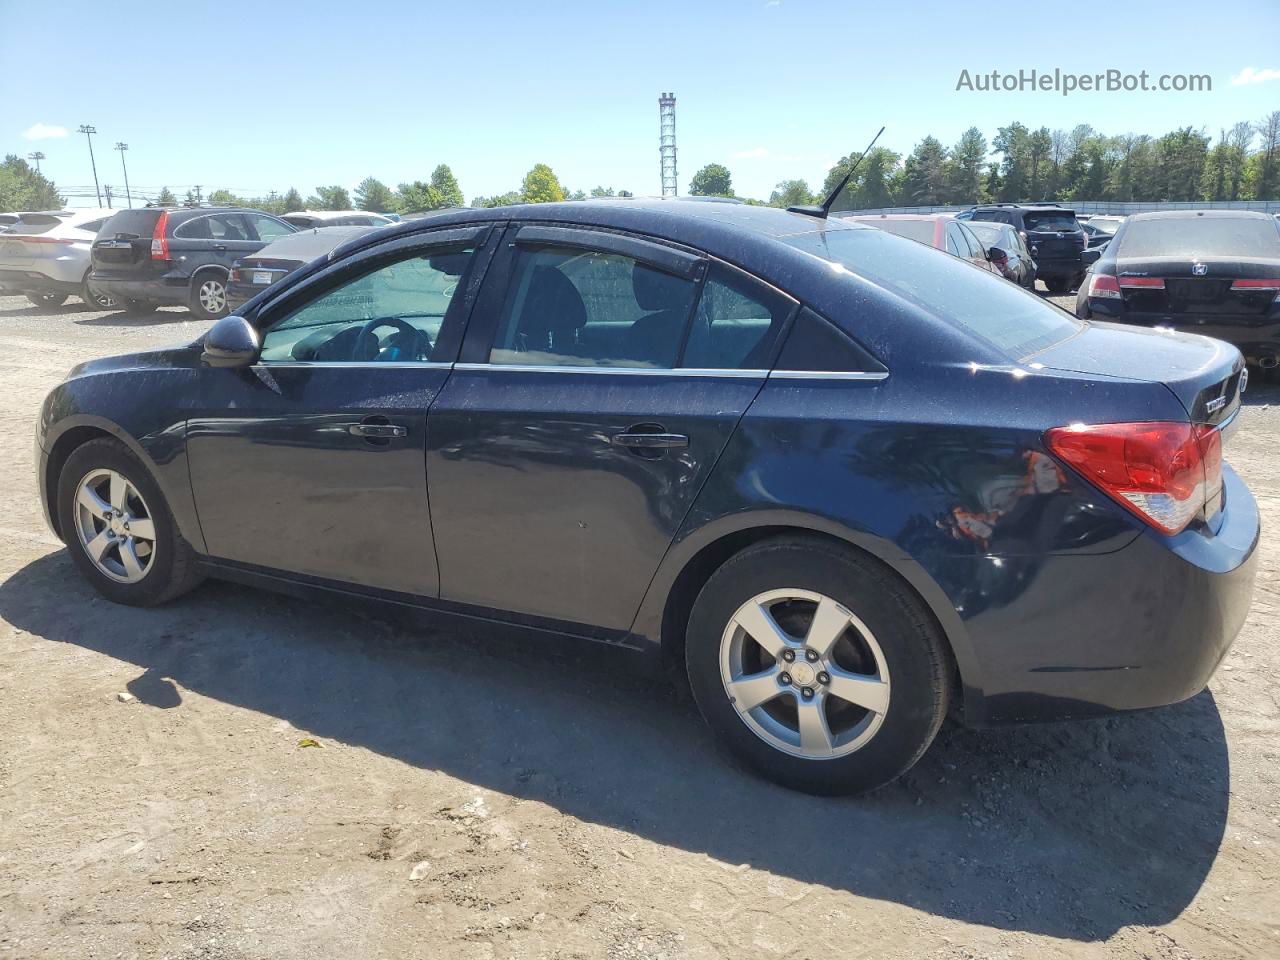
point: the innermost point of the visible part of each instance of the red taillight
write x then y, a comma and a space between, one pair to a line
159, 240
1164, 472
234, 275
1260, 284
1142, 283
1103, 286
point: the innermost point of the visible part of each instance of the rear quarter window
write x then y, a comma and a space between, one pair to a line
1009, 318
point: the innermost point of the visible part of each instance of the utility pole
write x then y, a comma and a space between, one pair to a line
106, 189
122, 147
37, 157
197, 194
88, 132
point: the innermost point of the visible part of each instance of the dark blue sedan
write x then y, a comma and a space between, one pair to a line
841, 480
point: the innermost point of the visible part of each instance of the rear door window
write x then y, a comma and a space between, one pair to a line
575, 307
737, 322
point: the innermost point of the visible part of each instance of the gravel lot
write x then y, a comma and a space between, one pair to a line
473, 797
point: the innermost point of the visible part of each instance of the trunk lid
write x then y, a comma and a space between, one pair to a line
1207, 376
1197, 286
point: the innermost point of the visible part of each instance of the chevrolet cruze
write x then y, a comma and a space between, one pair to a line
843, 481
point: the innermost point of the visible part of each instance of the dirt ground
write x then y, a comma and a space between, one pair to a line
480, 798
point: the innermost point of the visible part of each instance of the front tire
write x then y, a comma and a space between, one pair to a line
118, 528
47, 299
816, 666
208, 299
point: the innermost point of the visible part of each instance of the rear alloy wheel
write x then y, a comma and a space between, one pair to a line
208, 296
47, 299
817, 666
118, 528
99, 301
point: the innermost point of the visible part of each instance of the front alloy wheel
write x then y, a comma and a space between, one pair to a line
115, 526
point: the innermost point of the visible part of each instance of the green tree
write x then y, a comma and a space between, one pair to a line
330, 198
446, 184
1182, 154
22, 188
964, 172
373, 194
293, 201
1039, 149
872, 182
791, 193
1267, 162
166, 198
225, 198
713, 180
499, 200
1213, 184
541, 185
418, 196
924, 175
1013, 143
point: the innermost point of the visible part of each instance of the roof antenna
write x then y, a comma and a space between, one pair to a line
825, 209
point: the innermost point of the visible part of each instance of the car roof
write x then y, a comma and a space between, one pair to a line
1192, 214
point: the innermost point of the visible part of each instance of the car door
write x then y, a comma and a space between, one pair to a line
215, 238
584, 416
311, 460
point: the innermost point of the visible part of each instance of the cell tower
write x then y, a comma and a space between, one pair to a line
667, 142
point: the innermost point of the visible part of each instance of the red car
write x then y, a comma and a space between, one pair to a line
940, 230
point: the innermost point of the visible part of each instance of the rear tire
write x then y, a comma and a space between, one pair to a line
47, 299
1058, 285
208, 298
141, 559
873, 639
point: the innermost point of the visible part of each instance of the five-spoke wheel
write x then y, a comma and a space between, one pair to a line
115, 526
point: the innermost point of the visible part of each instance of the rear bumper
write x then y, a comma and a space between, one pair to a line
1054, 267
28, 281
1078, 636
1255, 336
160, 290
238, 294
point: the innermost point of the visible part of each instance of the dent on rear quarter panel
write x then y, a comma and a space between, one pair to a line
145, 409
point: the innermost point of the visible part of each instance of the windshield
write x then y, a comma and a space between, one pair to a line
919, 230
1006, 316
1059, 220
1228, 237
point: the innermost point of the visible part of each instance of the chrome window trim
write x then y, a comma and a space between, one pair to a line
828, 375
626, 371
353, 364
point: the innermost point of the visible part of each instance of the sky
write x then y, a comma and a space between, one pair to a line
260, 97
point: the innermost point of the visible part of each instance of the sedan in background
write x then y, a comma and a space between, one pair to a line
940, 231
838, 480
1214, 272
251, 275
1007, 250
45, 256
307, 219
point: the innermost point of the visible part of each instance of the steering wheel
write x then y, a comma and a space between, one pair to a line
367, 344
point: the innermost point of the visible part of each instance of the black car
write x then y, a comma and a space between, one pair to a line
1052, 233
836, 478
1215, 272
155, 256
1017, 264
251, 275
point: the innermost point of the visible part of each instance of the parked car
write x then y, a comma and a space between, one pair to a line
939, 230
154, 256
1053, 234
251, 275
45, 256
305, 219
1012, 256
1215, 272
836, 478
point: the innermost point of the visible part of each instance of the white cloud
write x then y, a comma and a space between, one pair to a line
751, 154
42, 131
1254, 75
773, 3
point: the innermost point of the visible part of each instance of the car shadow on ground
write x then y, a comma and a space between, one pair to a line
1071, 830
118, 318
72, 306
1263, 388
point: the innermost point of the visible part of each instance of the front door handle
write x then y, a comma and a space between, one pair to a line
377, 431
649, 441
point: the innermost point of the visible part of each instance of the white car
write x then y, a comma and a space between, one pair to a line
45, 256
306, 219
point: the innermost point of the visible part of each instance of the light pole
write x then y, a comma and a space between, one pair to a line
122, 147
37, 157
88, 132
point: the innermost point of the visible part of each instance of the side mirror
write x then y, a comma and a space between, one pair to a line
231, 342
996, 255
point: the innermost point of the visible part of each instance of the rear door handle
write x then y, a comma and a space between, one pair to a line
649, 441
377, 431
